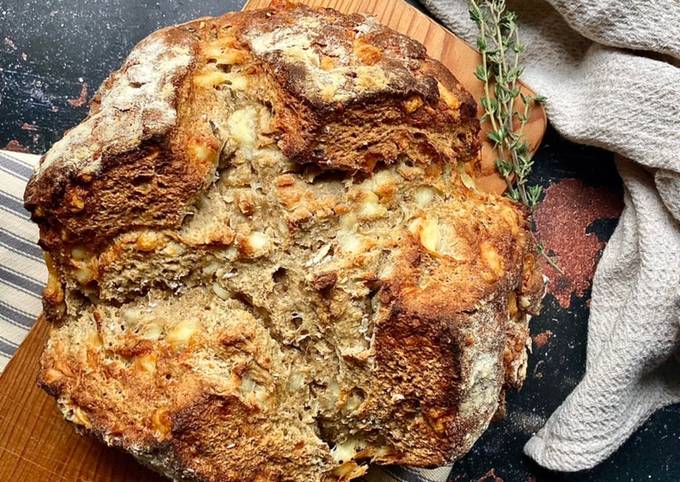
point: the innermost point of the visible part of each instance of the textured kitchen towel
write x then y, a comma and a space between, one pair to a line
609, 71
22, 270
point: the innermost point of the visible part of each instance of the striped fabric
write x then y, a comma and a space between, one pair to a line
22, 270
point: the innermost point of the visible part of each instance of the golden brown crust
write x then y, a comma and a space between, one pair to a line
117, 170
98, 183
377, 81
208, 439
437, 311
280, 272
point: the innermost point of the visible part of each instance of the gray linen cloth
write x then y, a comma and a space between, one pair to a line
609, 71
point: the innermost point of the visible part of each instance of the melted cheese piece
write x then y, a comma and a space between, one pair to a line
242, 126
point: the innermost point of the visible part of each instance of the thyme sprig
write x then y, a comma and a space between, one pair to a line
500, 70
500, 47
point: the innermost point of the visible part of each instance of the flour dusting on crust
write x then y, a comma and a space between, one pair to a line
333, 63
139, 105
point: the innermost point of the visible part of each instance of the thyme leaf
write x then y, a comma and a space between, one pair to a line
500, 70
500, 47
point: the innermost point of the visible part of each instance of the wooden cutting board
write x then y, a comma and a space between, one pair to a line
37, 445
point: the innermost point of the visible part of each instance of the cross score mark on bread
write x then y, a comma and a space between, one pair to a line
266, 258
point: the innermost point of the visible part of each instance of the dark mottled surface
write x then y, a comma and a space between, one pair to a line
49, 49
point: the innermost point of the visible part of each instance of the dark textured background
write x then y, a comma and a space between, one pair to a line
55, 53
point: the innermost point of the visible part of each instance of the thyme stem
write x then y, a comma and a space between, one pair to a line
500, 47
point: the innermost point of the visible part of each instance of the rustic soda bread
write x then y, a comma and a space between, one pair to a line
268, 260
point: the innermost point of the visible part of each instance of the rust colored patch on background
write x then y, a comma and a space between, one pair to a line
16, 146
542, 339
562, 219
29, 127
490, 476
80, 101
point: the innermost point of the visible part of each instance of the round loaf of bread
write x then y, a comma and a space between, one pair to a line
268, 259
